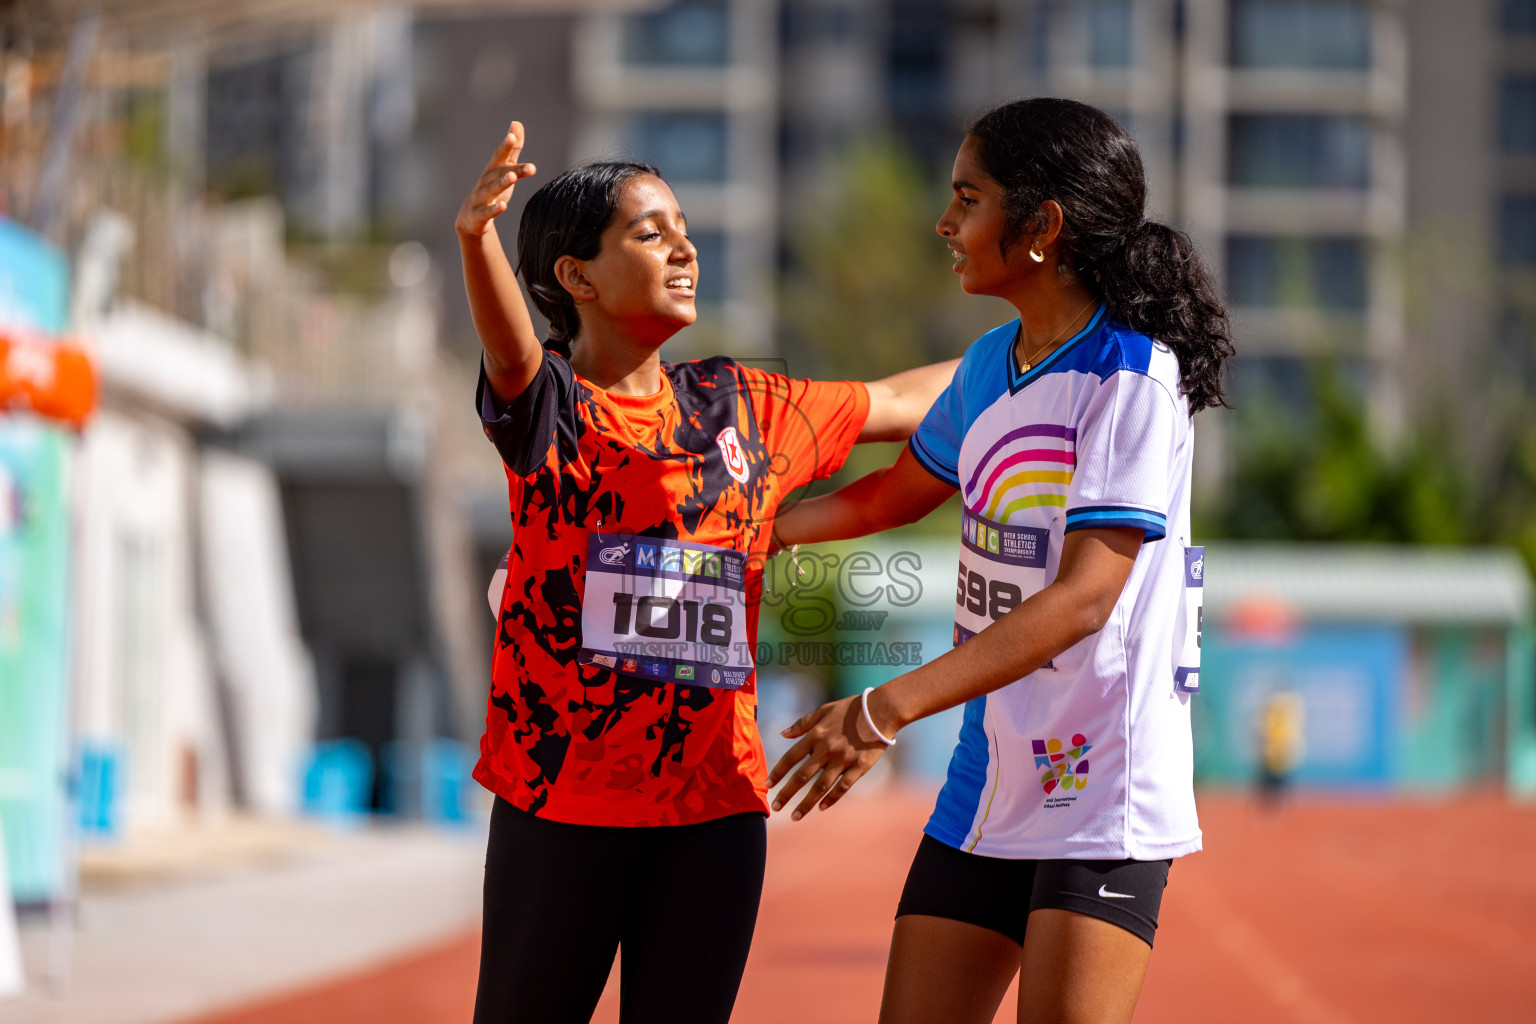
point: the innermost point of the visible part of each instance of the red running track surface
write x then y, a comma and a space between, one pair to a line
1328, 912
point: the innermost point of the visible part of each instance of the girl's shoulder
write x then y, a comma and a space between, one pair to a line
1119, 347
1124, 349
983, 362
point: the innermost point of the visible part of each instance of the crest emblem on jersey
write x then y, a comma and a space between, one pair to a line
1065, 767
735, 458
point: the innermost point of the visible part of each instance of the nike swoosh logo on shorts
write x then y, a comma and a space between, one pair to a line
1115, 895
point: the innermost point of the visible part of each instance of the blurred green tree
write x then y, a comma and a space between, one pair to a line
1324, 475
869, 290
1462, 472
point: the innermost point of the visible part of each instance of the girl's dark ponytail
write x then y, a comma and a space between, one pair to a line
560, 310
1149, 274
567, 217
1156, 283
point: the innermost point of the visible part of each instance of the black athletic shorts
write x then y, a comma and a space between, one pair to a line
999, 894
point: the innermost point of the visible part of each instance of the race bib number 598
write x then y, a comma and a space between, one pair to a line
1000, 566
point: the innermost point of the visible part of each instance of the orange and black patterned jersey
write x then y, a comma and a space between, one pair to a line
705, 460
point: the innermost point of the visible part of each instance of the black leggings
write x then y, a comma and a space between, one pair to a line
681, 900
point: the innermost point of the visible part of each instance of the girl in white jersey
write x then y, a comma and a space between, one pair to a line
1068, 434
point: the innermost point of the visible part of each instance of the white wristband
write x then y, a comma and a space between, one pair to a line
864, 705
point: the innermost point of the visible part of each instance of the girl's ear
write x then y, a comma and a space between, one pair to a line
571, 274
1047, 226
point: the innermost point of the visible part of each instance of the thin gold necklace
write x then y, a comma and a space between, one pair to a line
1030, 360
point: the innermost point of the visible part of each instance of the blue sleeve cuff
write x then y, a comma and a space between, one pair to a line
1105, 517
931, 464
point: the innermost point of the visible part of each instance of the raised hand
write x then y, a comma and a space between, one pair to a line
488, 199
513, 354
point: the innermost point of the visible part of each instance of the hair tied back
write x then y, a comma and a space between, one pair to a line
1149, 274
567, 217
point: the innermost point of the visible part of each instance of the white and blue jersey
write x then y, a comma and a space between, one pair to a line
1090, 756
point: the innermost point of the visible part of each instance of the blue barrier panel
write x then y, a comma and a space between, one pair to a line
101, 789
445, 777
400, 794
338, 781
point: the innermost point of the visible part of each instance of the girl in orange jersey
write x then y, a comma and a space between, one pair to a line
621, 739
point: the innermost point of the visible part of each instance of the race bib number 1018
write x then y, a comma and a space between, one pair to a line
666, 610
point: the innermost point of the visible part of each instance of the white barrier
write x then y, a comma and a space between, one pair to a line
12, 978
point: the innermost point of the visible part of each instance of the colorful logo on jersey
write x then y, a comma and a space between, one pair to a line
678, 560
985, 537
735, 458
1065, 767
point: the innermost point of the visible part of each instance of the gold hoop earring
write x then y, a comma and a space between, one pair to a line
1038, 257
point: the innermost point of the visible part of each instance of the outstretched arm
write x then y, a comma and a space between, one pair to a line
512, 352
898, 403
894, 496
836, 746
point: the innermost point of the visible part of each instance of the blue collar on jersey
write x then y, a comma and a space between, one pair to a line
1018, 381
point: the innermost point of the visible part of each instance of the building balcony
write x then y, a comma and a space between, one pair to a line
1284, 211
1298, 331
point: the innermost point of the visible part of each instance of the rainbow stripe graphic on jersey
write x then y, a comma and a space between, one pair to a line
1027, 467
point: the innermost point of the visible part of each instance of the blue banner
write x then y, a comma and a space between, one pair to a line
1346, 680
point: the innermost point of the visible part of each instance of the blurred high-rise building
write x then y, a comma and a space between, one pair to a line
1360, 174
1277, 132
692, 88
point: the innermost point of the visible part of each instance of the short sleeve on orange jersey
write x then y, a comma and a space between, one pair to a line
522, 429
809, 426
